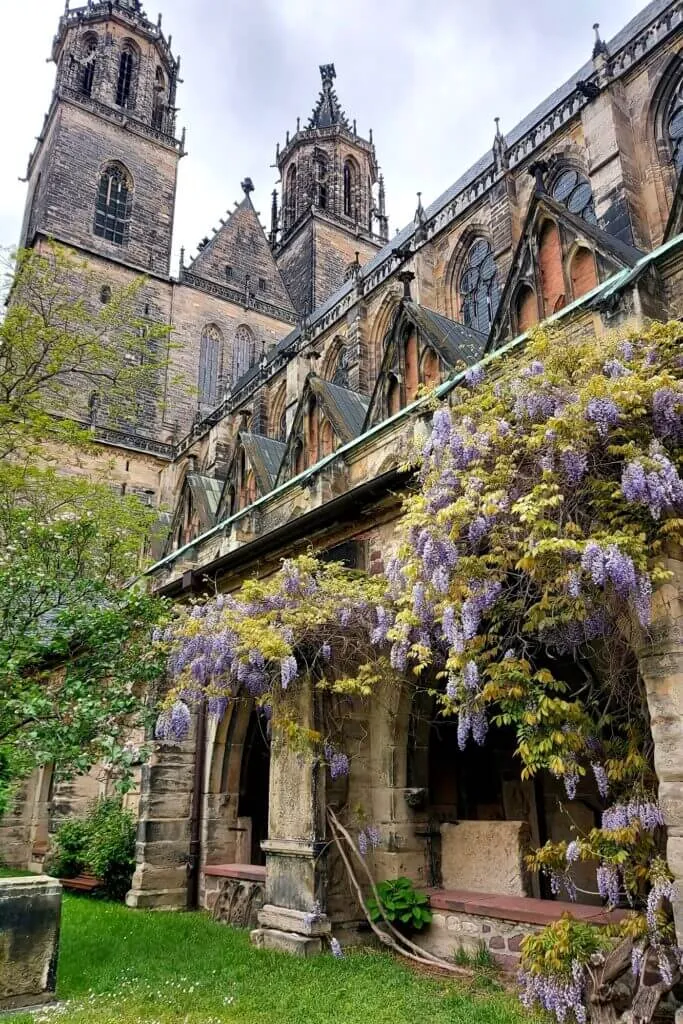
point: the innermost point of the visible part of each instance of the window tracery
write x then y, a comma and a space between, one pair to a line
574, 191
674, 125
124, 82
209, 360
478, 286
244, 353
113, 205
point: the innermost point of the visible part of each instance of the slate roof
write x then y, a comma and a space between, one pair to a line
622, 252
241, 244
206, 492
264, 455
345, 408
453, 341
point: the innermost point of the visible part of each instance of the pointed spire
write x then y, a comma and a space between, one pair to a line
327, 111
420, 221
272, 238
380, 212
600, 47
501, 160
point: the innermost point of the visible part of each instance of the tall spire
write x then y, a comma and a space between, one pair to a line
501, 161
327, 111
272, 237
381, 214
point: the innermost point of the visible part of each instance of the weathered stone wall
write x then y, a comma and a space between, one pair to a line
452, 932
30, 910
464, 865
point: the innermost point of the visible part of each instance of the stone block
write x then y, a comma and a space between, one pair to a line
485, 856
287, 942
30, 911
287, 920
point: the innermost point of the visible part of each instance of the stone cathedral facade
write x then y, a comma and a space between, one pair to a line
303, 352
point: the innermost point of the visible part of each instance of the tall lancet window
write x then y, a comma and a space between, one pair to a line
209, 361
479, 288
86, 78
244, 353
113, 205
125, 80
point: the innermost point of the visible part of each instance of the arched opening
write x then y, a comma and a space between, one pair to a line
125, 82
158, 105
393, 395
209, 362
278, 418
244, 352
298, 457
412, 375
574, 190
350, 183
478, 287
291, 202
550, 267
431, 373
320, 172
312, 418
326, 439
673, 125
254, 784
582, 272
526, 308
113, 205
86, 78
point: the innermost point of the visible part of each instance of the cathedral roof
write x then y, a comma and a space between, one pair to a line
345, 408
238, 257
265, 456
454, 342
327, 111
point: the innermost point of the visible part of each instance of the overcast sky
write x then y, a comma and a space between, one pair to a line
428, 76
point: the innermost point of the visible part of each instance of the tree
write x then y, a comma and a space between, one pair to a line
74, 654
521, 596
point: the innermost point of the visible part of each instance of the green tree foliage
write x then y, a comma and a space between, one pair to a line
74, 647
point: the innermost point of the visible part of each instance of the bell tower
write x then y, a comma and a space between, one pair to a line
329, 216
103, 175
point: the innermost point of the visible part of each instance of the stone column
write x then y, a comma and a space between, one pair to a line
163, 838
661, 666
293, 918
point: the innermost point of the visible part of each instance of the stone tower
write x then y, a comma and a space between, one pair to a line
328, 213
103, 175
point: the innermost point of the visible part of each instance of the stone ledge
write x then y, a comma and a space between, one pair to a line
286, 942
519, 909
246, 872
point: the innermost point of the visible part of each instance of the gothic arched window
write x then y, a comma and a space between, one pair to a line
574, 191
158, 104
478, 287
244, 352
320, 169
340, 377
209, 360
291, 197
350, 179
87, 68
124, 82
674, 125
113, 205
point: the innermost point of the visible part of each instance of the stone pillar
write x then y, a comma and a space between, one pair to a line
293, 918
163, 838
661, 666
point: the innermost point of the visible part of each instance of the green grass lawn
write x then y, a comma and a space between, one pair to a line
124, 966
6, 872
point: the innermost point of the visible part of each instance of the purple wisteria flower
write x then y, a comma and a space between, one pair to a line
573, 852
574, 466
663, 889
614, 369
289, 670
336, 950
475, 375
619, 816
609, 883
556, 994
337, 761
174, 723
326, 652
604, 413
660, 489
470, 677
601, 779
483, 596
667, 412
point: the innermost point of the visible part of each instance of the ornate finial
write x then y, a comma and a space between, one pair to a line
273, 219
501, 161
420, 221
406, 276
355, 131
600, 47
328, 74
298, 123
182, 257
247, 186
287, 138
370, 136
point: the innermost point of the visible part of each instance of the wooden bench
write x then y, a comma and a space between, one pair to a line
81, 883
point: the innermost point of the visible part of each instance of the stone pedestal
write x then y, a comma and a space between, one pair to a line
293, 917
30, 911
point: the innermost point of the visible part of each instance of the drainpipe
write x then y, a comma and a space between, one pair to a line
196, 811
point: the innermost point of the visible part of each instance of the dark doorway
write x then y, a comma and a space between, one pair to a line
254, 783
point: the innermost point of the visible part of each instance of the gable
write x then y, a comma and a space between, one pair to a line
239, 257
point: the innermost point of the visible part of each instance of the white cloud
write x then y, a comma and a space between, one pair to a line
428, 77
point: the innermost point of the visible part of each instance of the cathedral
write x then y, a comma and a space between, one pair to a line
293, 396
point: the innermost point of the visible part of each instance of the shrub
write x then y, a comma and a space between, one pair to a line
68, 855
110, 851
102, 844
407, 909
